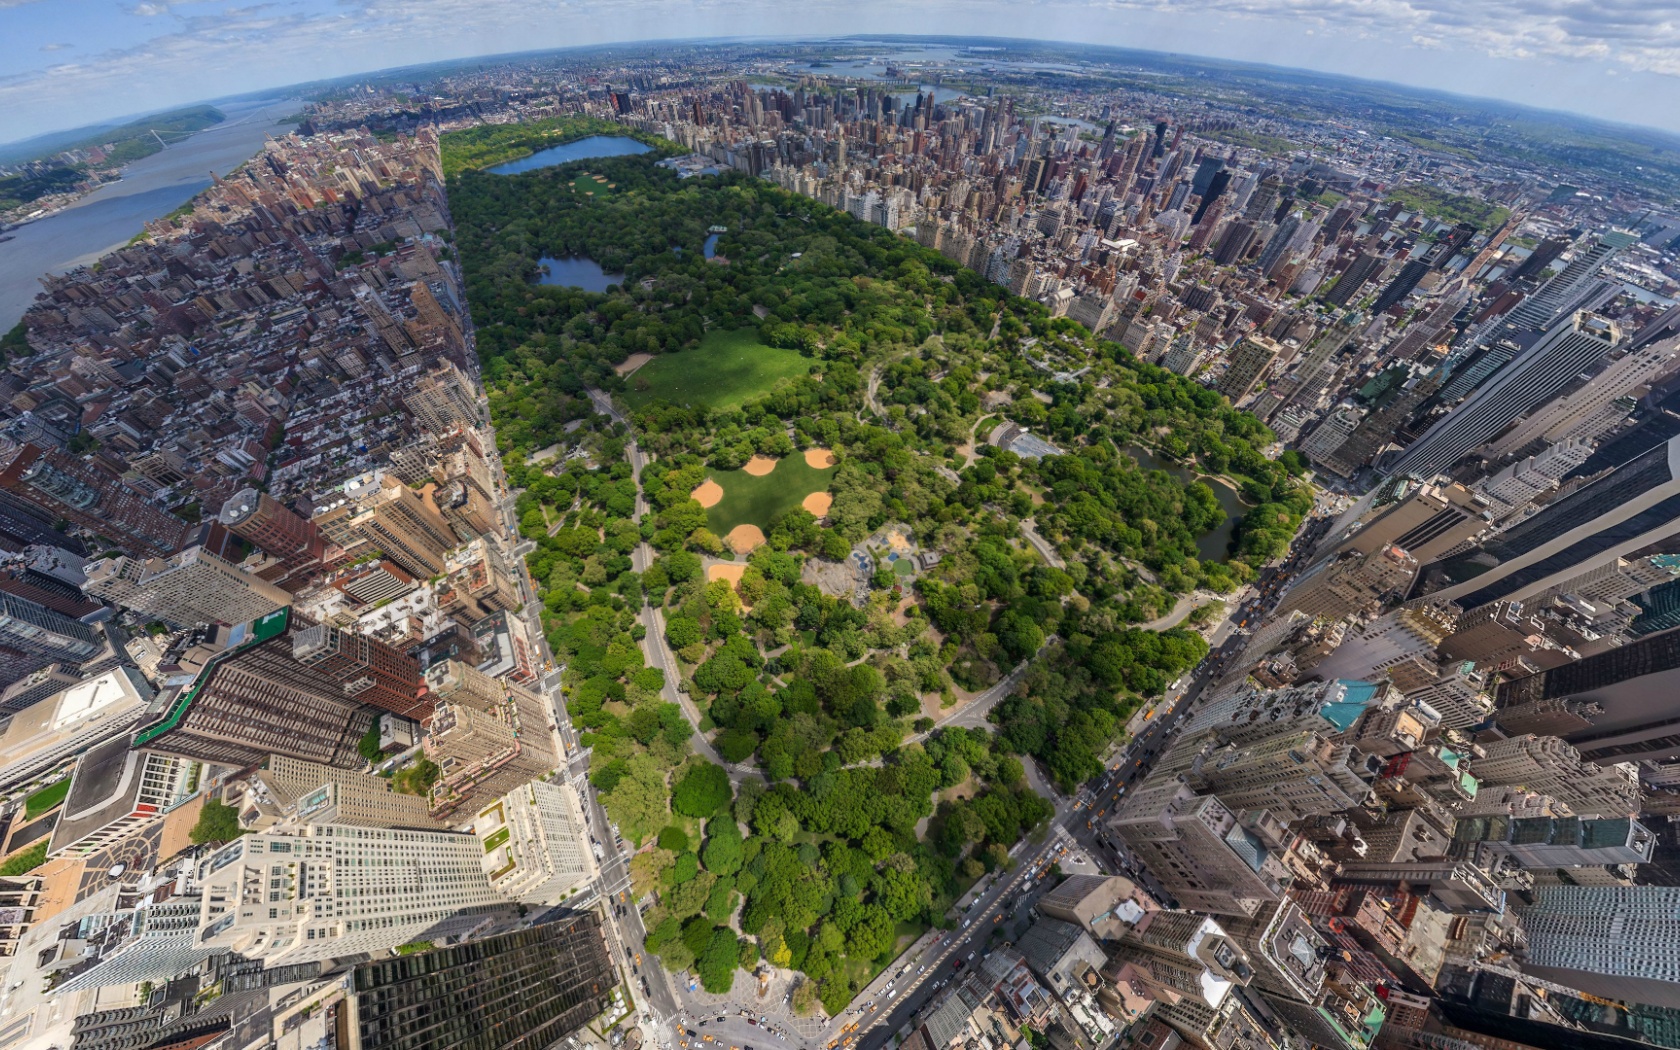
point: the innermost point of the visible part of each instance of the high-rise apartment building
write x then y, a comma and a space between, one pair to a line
290, 791
1536, 375
378, 512
1199, 850
1249, 361
1351, 584
1617, 942
33, 636
484, 754
515, 991
443, 400
273, 528
1548, 765
368, 670
1631, 507
327, 891
194, 586
535, 842
249, 698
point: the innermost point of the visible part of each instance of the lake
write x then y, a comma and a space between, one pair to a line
150, 187
710, 247
577, 272
583, 149
1214, 545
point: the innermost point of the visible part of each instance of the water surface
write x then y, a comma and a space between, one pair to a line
583, 149
150, 187
577, 272
1214, 545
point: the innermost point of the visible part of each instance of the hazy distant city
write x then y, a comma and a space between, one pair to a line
924, 543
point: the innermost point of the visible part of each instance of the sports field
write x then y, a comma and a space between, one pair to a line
587, 184
753, 499
725, 371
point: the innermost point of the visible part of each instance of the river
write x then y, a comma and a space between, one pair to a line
150, 187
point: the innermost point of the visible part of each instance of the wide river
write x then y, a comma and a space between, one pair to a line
150, 187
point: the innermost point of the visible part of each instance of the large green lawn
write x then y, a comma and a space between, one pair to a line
725, 371
45, 799
754, 501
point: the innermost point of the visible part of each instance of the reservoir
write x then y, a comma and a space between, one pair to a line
150, 187
1214, 545
583, 149
577, 272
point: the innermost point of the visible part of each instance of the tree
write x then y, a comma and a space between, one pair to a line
368, 745
702, 791
217, 822
723, 846
637, 802
717, 963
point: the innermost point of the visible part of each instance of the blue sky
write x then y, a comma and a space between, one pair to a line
71, 62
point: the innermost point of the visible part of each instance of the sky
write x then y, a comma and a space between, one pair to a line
67, 63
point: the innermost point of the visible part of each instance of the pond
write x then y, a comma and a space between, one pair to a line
576, 272
1214, 545
583, 149
710, 247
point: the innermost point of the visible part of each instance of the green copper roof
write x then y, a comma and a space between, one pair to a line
242, 637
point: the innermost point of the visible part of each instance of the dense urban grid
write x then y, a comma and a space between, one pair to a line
845, 546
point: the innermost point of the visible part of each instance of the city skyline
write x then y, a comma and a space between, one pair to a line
102, 60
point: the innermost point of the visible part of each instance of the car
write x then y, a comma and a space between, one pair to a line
720, 1020
970, 956
752, 1020
957, 965
704, 1023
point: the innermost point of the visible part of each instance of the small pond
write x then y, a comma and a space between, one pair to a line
1216, 544
577, 272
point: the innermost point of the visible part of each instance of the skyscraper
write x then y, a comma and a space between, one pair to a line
194, 586
274, 529
1631, 507
1533, 377
33, 636
1249, 361
251, 698
367, 669
516, 991
1618, 942
1614, 706
536, 843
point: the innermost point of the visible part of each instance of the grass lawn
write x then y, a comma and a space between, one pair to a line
754, 501
45, 799
725, 371
587, 183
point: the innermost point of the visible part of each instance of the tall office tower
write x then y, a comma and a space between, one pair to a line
1540, 258
290, 791
1576, 280
1286, 953
327, 891
1202, 853
1265, 200
1617, 942
367, 669
1272, 255
274, 529
1421, 519
67, 488
250, 698
1659, 610
516, 991
1535, 376
1379, 427
443, 400
1625, 372
1517, 485
1351, 584
484, 754
1332, 433
536, 843
1618, 579
1364, 266
1548, 765
1234, 243
1552, 842
1614, 706
194, 586
33, 636
1315, 367
1631, 507
1206, 169
55, 592
1421, 336
1249, 361
1400, 286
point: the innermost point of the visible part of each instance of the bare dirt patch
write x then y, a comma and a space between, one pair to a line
631, 363
758, 466
819, 458
709, 494
818, 503
724, 570
743, 538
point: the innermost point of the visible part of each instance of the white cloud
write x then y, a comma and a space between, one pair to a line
149, 10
